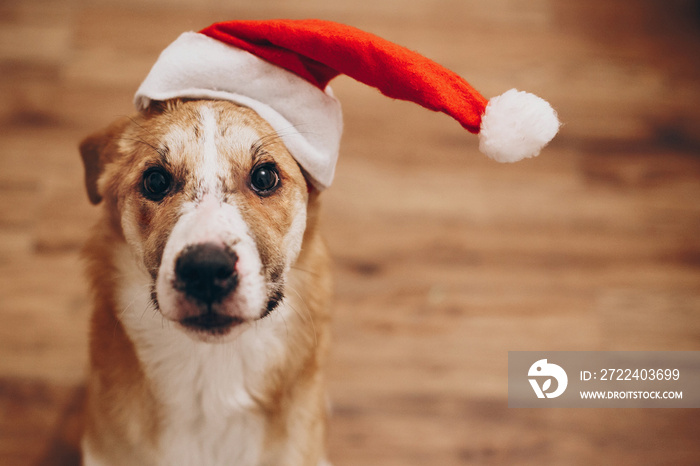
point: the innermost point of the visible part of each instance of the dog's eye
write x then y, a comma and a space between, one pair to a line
264, 179
156, 183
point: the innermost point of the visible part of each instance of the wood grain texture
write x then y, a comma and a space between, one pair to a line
444, 261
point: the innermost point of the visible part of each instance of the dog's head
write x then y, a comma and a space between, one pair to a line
211, 204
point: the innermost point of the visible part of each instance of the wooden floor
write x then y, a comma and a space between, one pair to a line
444, 261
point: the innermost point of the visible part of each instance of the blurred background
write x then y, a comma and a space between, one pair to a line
444, 260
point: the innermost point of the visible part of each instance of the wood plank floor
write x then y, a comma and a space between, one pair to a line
444, 261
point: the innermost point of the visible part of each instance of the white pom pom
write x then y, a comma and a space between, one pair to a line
516, 125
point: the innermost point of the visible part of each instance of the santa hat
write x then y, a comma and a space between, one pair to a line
281, 69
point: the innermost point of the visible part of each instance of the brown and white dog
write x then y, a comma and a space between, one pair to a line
211, 289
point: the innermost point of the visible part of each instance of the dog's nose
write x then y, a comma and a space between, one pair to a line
206, 272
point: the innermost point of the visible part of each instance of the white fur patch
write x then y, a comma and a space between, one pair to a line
210, 166
295, 236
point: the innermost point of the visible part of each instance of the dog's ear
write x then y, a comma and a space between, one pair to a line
96, 150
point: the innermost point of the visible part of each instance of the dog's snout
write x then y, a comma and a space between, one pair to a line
206, 272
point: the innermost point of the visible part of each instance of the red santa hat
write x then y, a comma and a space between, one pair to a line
281, 69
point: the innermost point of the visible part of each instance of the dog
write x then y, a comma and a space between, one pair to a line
210, 284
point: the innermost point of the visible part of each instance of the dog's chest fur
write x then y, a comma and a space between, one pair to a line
209, 391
